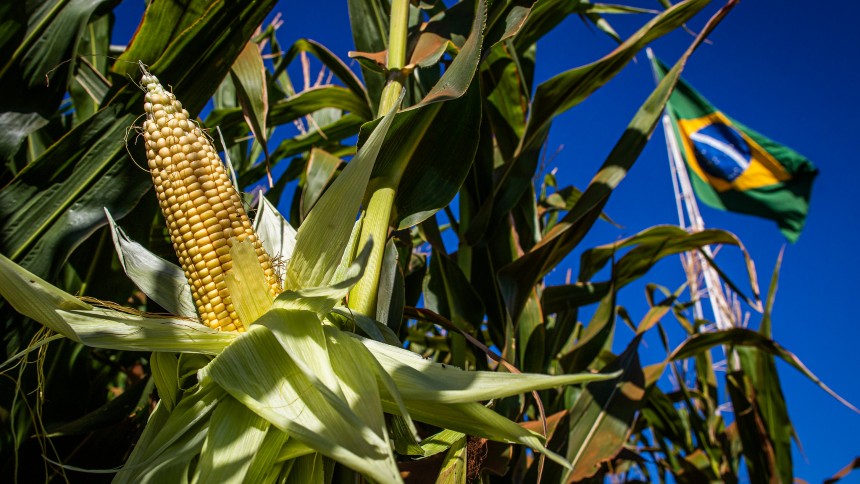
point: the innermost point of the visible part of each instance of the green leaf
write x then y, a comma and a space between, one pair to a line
765, 325
161, 281
593, 339
347, 347
603, 25
287, 110
265, 460
353, 364
760, 368
419, 379
565, 199
235, 436
327, 135
372, 328
649, 247
323, 236
608, 8
448, 292
440, 442
664, 419
319, 171
102, 328
531, 338
657, 311
157, 420
517, 279
475, 419
744, 337
349, 255
391, 295
308, 469
431, 145
506, 99
337, 67
14, 129
506, 19
566, 90
302, 337
429, 155
458, 76
566, 297
58, 200
35, 298
105, 328
757, 448
165, 372
454, 467
279, 391
602, 415
543, 18
164, 452
89, 86
53, 33
321, 300
249, 78
562, 92
192, 45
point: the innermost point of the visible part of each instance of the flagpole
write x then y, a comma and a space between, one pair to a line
685, 201
688, 261
719, 306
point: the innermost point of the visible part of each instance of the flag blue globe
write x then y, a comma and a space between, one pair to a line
721, 151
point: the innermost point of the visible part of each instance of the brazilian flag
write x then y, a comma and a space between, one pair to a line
734, 168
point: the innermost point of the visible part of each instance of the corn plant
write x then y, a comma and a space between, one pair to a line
355, 345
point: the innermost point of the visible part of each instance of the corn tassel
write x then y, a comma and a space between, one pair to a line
204, 212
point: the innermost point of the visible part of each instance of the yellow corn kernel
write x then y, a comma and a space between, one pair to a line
203, 211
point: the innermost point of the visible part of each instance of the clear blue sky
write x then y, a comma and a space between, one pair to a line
786, 71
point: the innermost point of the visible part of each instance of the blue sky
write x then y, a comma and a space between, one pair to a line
787, 72
779, 70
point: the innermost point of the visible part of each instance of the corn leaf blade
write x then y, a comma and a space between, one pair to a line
234, 438
420, 379
346, 351
35, 298
323, 236
301, 336
102, 328
454, 466
321, 300
161, 281
165, 373
265, 460
105, 328
167, 452
257, 371
249, 78
475, 419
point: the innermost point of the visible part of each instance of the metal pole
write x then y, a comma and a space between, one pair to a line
684, 195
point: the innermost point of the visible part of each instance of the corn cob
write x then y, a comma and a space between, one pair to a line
204, 213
